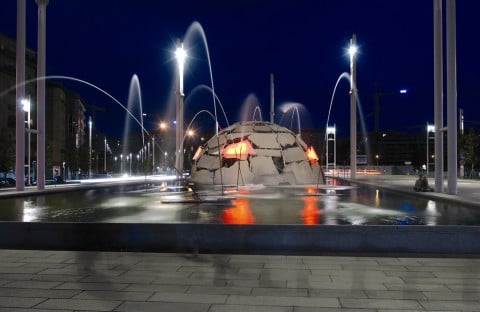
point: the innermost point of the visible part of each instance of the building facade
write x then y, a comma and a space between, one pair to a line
64, 111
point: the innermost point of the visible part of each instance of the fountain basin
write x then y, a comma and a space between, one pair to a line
245, 239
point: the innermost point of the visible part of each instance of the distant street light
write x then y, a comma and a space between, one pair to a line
430, 129
377, 157
331, 136
121, 163
26, 108
153, 154
105, 157
130, 162
90, 147
138, 163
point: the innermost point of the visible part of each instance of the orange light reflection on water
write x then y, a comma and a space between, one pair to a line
239, 213
310, 211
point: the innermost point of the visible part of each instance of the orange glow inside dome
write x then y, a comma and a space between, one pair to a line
238, 150
312, 155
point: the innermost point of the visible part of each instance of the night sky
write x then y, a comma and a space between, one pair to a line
303, 43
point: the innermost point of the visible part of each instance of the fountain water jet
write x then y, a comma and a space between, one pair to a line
249, 107
3, 93
134, 92
291, 106
194, 28
199, 88
346, 76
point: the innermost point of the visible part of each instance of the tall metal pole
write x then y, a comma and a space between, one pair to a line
179, 110
41, 47
20, 114
29, 140
272, 99
451, 97
353, 109
438, 93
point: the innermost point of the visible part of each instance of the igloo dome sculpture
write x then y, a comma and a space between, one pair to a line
255, 152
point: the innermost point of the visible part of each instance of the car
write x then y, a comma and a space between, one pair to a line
7, 182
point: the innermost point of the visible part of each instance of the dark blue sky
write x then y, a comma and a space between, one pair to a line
302, 42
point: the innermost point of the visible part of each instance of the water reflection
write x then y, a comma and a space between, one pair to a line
239, 213
331, 205
431, 213
30, 211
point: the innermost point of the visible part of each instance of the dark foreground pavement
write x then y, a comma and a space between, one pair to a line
32, 280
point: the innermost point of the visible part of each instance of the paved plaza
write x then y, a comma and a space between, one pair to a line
32, 280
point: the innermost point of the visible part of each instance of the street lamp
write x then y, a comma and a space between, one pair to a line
377, 157
352, 51
115, 158
153, 154
138, 163
105, 156
166, 154
130, 163
430, 129
180, 55
331, 136
121, 163
26, 108
90, 147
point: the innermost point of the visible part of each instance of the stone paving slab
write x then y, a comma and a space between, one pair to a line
97, 281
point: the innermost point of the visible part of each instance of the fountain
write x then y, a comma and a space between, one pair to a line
267, 154
255, 152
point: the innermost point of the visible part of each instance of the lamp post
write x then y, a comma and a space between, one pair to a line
352, 50
26, 108
180, 56
115, 159
90, 147
130, 163
41, 59
331, 136
138, 163
105, 157
430, 129
153, 154
20, 94
377, 157
166, 154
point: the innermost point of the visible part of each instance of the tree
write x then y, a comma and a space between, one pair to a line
7, 156
468, 145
